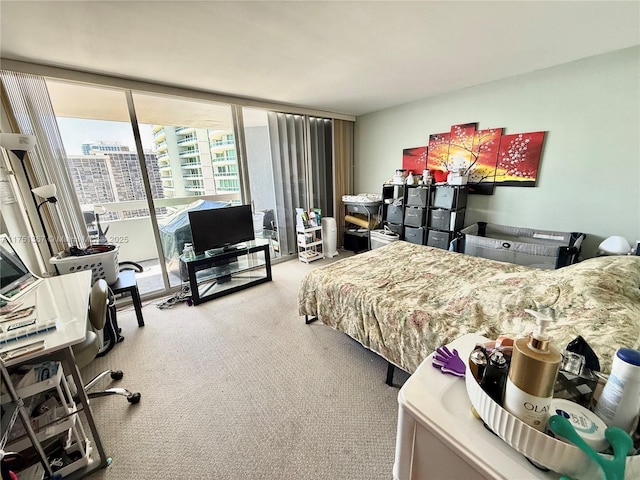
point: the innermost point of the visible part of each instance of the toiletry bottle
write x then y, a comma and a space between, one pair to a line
532, 375
495, 376
619, 402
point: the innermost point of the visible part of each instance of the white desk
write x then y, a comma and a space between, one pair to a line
66, 298
438, 436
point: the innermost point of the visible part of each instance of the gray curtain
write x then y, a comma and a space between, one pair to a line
287, 135
301, 152
321, 161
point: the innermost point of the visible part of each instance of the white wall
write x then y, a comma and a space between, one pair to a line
589, 175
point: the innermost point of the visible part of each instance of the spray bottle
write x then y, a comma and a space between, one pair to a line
532, 375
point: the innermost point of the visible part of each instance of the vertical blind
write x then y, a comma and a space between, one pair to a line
30, 109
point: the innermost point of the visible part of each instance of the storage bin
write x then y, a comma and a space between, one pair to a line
380, 238
442, 219
102, 265
414, 235
524, 246
394, 214
414, 216
452, 197
417, 197
439, 239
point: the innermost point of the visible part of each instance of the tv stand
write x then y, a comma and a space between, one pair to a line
226, 270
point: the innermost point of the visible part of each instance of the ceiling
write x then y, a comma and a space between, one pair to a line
344, 57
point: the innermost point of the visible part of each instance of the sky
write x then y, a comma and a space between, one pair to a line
76, 131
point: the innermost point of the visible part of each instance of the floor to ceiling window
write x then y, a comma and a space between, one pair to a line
105, 169
139, 161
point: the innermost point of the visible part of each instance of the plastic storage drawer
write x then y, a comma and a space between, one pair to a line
414, 216
439, 239
417, 197
414, 235
446, 219
451, 197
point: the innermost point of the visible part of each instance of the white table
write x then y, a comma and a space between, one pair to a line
65, 297
438, 436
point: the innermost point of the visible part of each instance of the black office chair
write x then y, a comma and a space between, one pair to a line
86, 351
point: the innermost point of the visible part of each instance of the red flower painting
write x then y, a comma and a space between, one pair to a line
414, 160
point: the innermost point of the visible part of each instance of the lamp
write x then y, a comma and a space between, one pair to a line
48, 192
615, 245
19, 144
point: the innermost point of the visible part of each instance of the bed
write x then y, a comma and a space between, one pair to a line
404, 300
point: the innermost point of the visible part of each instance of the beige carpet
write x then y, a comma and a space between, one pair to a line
240, 388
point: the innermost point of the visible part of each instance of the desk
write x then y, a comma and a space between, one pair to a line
66, 298
126, 283
438, 437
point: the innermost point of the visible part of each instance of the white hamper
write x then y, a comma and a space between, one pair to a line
524, 246
380, 238
102, 265
329, 237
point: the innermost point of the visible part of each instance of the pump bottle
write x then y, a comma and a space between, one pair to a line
532, 375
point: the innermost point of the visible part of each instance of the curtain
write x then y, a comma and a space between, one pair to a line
302, 156
342, 169
321, 163
27, 100
287, 135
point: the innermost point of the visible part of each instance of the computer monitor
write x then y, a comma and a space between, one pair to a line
15, 277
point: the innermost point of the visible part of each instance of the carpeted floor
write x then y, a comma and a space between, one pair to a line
240, 388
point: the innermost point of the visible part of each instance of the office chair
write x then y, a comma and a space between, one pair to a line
86, 351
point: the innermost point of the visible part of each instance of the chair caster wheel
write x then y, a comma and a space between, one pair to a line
117, 375
134, 398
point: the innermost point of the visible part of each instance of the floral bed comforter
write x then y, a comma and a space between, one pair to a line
402, 300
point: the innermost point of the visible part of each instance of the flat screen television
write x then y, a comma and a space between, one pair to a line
221, 227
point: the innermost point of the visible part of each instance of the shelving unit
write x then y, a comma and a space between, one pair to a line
427, 215
223, 272
360, 219
309, 241
58, 424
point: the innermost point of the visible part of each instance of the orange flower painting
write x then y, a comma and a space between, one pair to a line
414, 160
488, 157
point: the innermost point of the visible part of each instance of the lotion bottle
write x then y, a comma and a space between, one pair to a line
532, 375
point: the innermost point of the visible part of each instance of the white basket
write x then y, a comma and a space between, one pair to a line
102, 265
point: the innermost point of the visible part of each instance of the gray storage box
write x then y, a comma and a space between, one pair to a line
439, 239
414, 235
417, 197
446, 219
414, 216
394, 214
451, 197
524, 246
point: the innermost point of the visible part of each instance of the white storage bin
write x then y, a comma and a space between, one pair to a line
380, 238
102, 265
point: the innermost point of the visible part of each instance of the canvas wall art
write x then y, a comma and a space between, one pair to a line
488, 157
518, 159
414, 160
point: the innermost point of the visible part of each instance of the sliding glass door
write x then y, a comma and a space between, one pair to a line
195, 150
105, 169
140, 161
